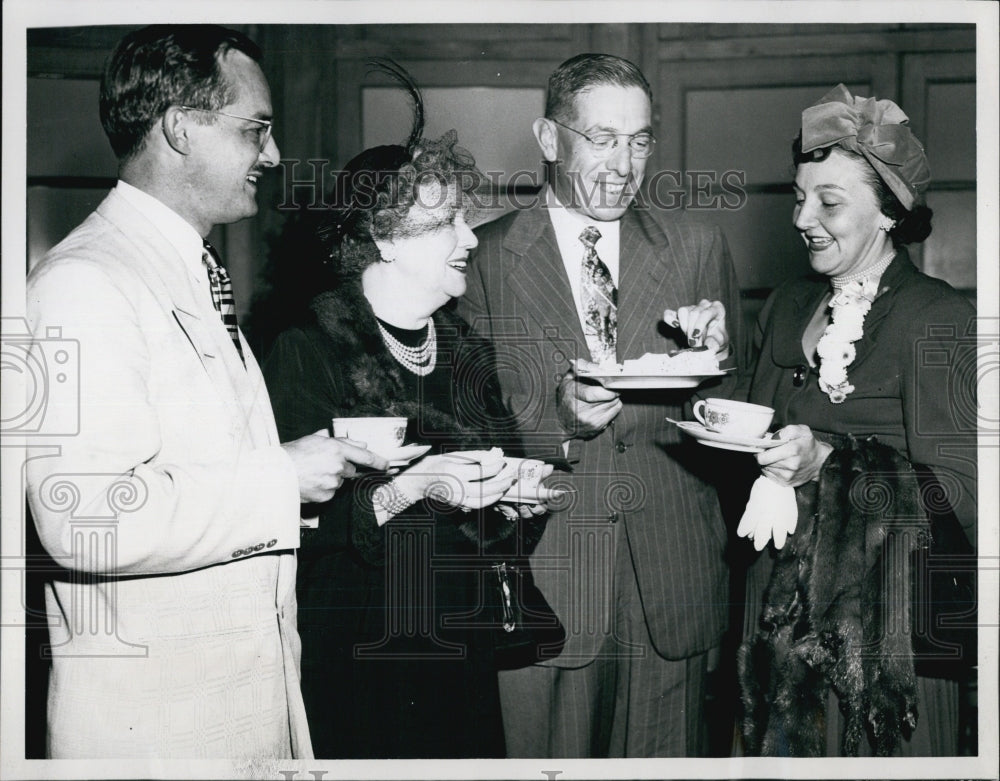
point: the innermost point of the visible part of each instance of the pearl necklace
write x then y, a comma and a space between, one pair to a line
875, 270
419, 360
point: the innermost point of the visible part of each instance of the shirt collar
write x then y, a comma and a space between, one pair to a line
570, 224
178, 232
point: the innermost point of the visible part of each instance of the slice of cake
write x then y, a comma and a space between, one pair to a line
682, 363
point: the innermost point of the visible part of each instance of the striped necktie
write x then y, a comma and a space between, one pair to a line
600, 301
222, 295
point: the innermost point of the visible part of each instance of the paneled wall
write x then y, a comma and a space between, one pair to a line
727, 99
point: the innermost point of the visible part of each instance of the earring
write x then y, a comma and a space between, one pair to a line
887, 224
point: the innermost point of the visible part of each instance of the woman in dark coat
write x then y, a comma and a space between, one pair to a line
396, 589
870, 366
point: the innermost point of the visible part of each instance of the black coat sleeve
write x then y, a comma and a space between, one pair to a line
306, 387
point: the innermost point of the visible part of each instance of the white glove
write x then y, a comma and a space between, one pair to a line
771, 512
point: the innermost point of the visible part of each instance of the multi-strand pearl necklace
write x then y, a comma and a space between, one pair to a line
419, 360
875, 270
853, 297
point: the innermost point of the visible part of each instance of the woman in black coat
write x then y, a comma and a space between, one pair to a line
398, 595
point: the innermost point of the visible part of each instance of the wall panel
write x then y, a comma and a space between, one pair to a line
726, 96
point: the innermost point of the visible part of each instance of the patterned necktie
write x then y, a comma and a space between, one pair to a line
600, 301
222, 295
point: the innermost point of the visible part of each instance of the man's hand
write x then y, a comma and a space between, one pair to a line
323, 463
702, 324
585, 408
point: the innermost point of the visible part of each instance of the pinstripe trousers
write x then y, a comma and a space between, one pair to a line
628, 702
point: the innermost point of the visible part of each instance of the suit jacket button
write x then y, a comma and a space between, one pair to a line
272, 543
612, 517
258, 547
237, 553
799, 375
621, 447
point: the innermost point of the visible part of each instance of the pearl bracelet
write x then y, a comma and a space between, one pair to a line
390, 499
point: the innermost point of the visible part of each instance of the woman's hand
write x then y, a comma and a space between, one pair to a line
514, 511
796, 462
530, 473
456, 481
704, 324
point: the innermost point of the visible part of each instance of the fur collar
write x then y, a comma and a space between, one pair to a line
373, 384
374, 380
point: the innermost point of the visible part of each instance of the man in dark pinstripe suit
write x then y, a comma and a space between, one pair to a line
633, 564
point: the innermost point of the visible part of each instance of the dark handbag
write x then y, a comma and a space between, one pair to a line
526, 630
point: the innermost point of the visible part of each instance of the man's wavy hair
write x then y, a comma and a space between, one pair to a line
583, 72
161, 66
375, 193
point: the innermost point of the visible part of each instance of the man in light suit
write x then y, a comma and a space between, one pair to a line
174, 511
634, 563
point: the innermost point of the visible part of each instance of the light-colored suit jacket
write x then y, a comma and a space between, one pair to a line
172, 510
639, 471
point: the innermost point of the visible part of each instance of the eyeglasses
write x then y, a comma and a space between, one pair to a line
605, 144
263, 132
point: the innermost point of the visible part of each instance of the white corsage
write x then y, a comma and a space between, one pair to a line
835, 349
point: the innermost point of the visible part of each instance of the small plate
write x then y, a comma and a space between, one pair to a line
401, 456
727, 441
618, 381
537, 495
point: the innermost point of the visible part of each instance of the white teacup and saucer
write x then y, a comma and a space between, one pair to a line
731, 425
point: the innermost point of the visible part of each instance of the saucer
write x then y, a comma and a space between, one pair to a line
618, 381
727, 441
475, 456
401, 456
537, 495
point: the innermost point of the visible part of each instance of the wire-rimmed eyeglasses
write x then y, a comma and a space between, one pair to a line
605, 143
263, 132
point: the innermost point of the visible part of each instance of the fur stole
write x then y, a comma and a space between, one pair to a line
372, 383
837, 612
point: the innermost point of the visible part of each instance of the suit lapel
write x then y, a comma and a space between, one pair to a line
650, 280
156, 261
894, 276
794, 319
537, 277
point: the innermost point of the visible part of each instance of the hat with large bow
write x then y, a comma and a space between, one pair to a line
876, 129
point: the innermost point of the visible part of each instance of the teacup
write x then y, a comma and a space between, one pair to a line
381, 435
734, 418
